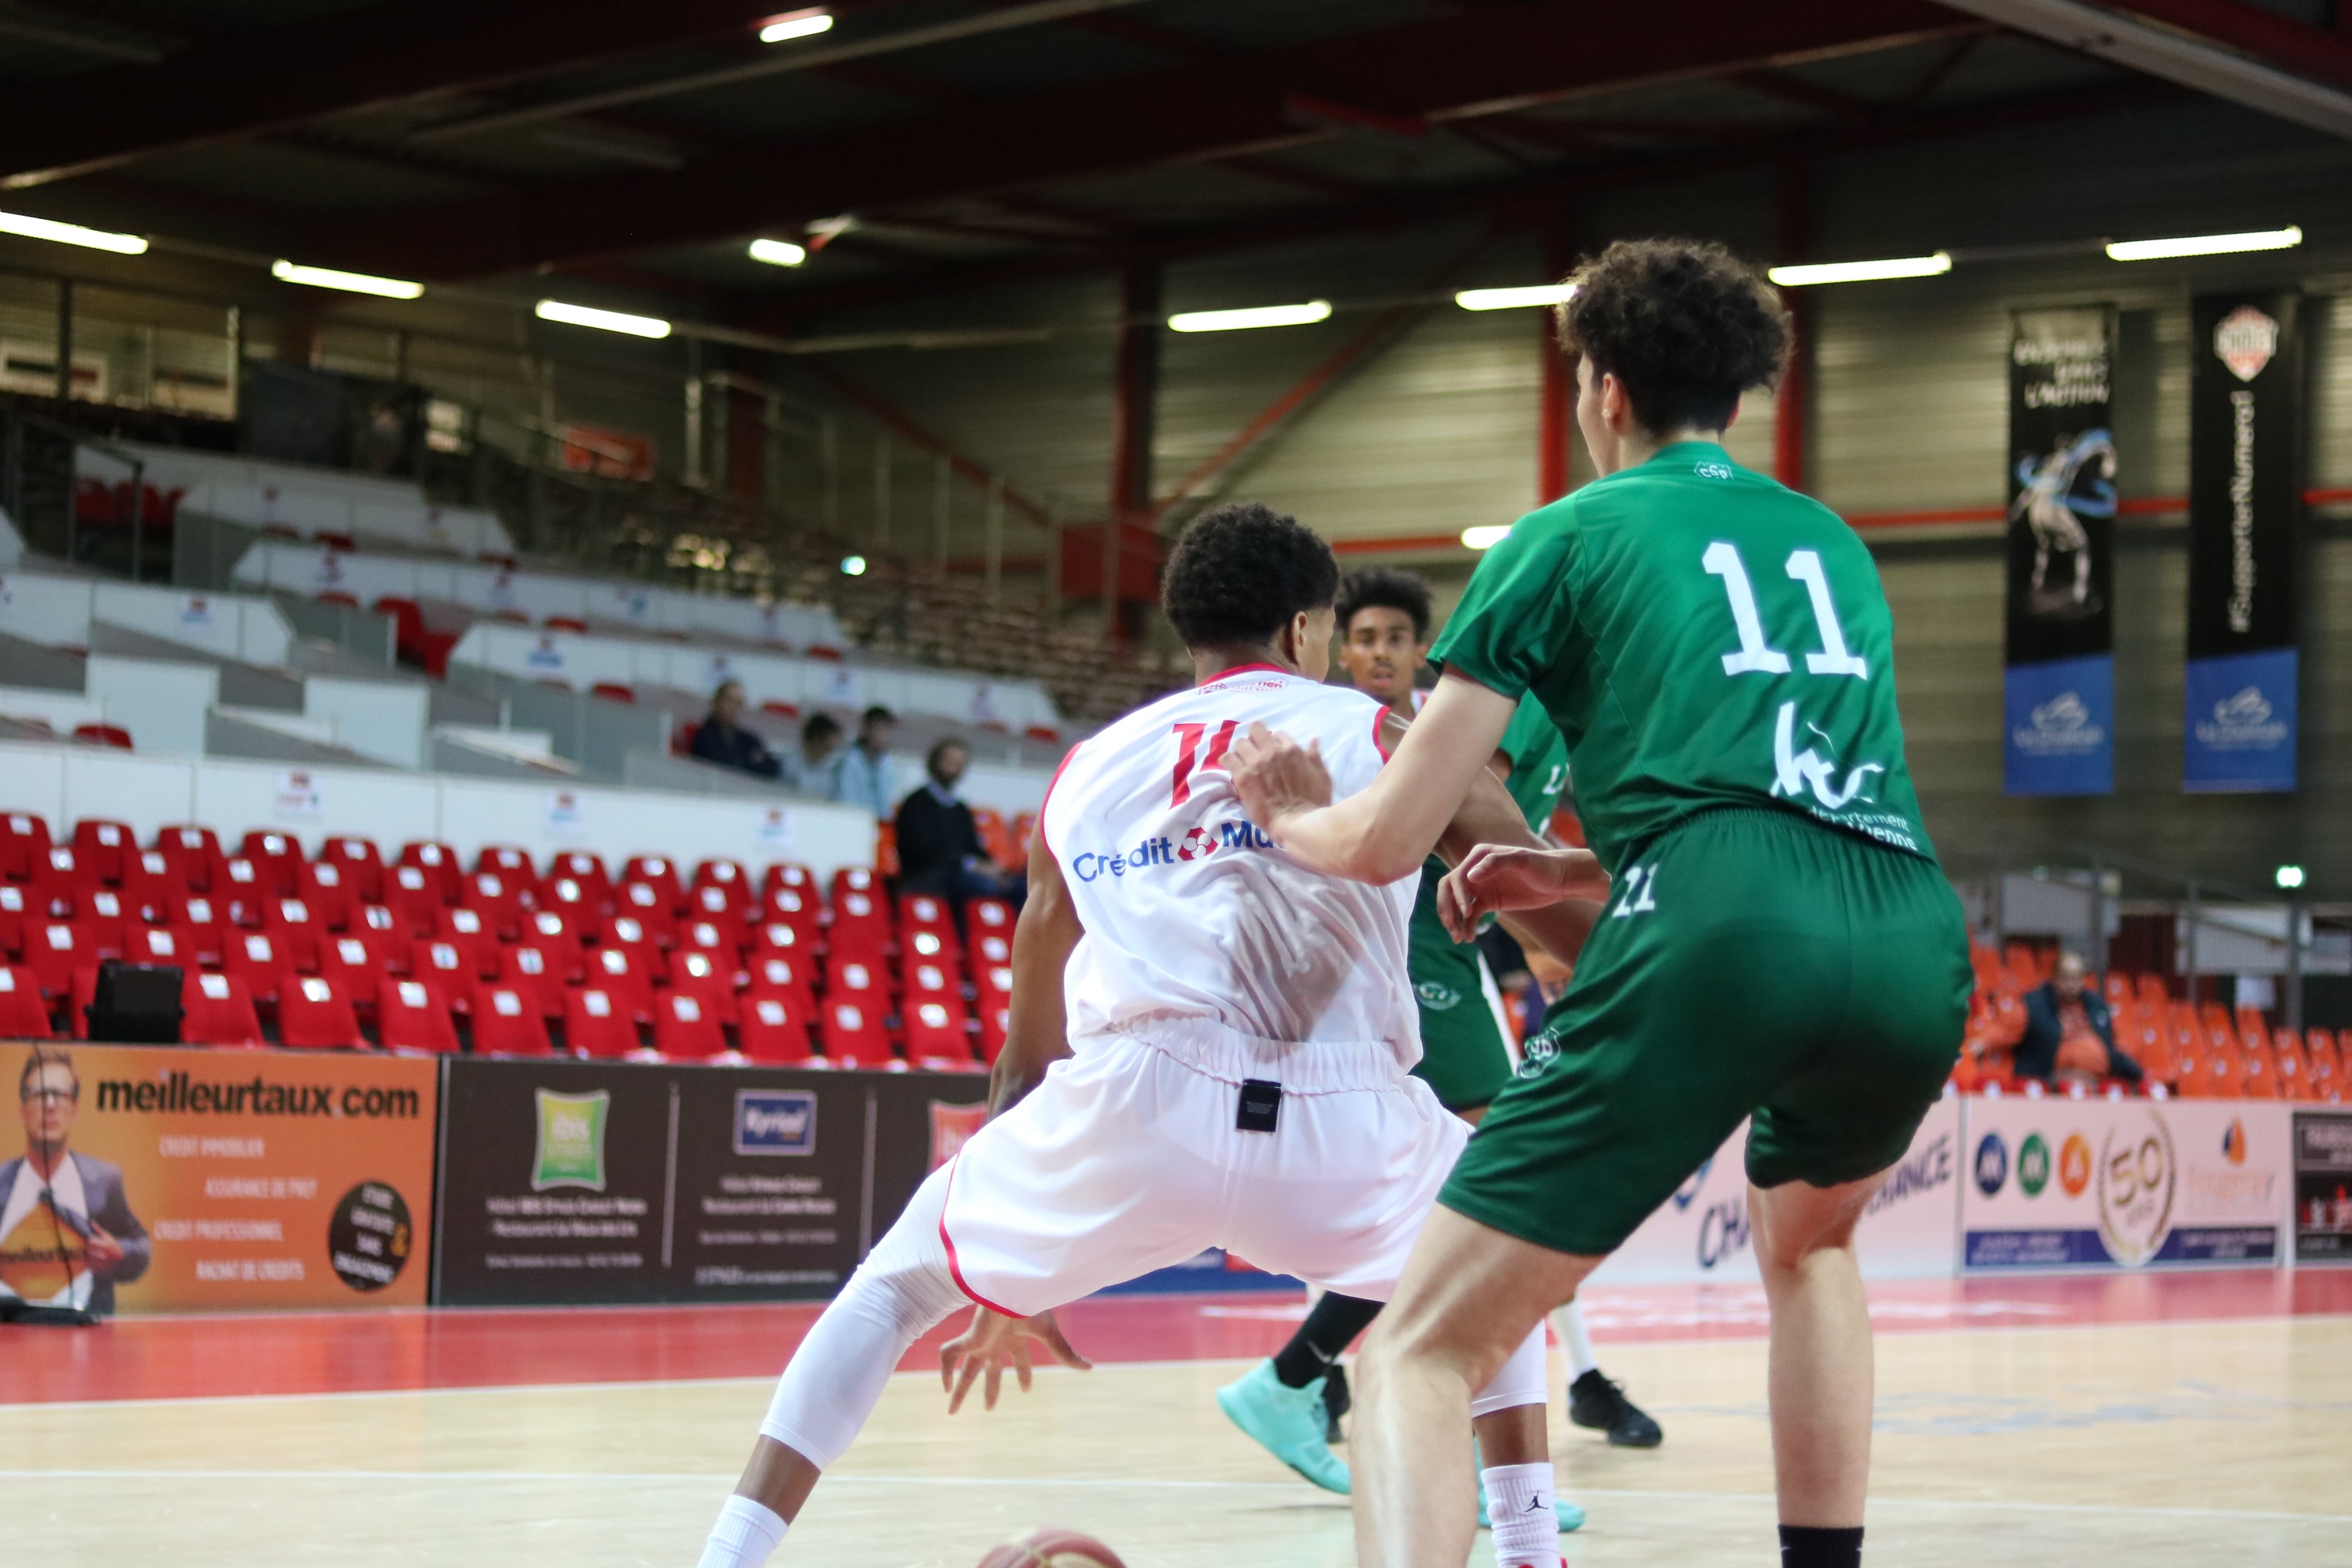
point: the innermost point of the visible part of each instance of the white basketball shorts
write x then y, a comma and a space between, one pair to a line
1127, 1159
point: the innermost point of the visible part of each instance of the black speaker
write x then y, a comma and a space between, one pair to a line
136, 1005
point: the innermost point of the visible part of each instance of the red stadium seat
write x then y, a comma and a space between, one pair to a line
995, 985
2293, 1069
730, 878
622, 972
989, 916
384, 931
23, 1014
794, 907
102, 921
113, 736
320, 884
195, 854
217, 1010
850, 977
597, 1024
565, 896
656, 872
498, 899
855, 879
644, 903
935, 1027
100, 846
853, 1034
789, 874
708, 978
148, 885
53, 950
23, 840
722, 943
296, 931
777, 937
507, 1023
719, 907
199, 922
773, 974
775, 1029
588, 870
14, 909
995, 1021
351, 962
57, 883
685, 1030
556, 934
361, 866
157, 945
254, 959
241, 890
528, 970
414, 894
450, 968
860, 925
469, 932
277, 857
313, 1013
508, 860
411, 1016
438, 861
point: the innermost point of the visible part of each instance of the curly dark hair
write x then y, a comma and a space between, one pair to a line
1683, 324
1384, 588
1240, 573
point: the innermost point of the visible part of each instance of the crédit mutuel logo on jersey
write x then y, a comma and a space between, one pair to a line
1197, 843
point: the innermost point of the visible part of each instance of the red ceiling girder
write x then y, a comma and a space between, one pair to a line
1487, 60
230, 86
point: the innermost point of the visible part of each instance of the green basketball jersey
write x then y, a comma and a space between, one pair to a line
1702, 636
1538, 762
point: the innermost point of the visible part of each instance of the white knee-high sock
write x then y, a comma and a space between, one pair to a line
1574, 1342
835, 1377
1518, 1502
745, 1534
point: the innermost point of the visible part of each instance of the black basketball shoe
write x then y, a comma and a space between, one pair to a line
1596, 1402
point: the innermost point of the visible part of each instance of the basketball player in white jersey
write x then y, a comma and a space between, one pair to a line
1208, 1047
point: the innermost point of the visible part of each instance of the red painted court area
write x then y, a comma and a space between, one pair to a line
186, 1358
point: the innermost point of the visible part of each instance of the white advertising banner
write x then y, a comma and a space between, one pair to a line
2095, 1183
1701, 1234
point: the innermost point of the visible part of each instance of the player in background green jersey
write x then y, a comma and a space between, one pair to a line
1778, 939
1384, 638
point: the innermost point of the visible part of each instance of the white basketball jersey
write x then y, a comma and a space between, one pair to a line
1191, 912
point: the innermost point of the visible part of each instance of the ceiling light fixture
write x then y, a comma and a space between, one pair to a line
72, 234
2286, 238
1485, 535
1513, 299
1860, 271
791, 25
1255, 316
605, 321
349, 282
779, 252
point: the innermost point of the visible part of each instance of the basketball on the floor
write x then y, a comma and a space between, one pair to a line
1052, 1548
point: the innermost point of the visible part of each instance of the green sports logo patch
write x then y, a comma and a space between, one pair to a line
1437, 998
571, 1151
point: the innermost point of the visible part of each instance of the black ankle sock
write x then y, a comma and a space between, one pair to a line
1331, 1326
1814, 1546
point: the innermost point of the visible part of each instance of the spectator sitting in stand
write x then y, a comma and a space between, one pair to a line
2069, 1032
720, 739
864, 775
817, 770
939, 850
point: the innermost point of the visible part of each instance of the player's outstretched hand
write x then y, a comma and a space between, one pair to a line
1274, 776
992, 1339
1494, 879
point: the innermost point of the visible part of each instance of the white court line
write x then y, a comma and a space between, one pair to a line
1970, 1505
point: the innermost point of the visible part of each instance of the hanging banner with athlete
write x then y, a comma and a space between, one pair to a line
162, 1179
2059, 690
2246, 507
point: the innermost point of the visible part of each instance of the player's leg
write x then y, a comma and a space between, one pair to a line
1821, 1376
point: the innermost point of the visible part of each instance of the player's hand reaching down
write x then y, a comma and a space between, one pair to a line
1494, 879
1274, 776
993, 1339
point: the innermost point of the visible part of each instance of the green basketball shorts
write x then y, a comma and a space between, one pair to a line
1751, 962
1463, 1058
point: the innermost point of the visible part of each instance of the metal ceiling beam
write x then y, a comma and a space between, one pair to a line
2216, 46
1490, 61
224, 87
1537, 196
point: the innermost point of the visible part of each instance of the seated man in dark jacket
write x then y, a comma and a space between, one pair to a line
721, 739
939, 850
2069, 1030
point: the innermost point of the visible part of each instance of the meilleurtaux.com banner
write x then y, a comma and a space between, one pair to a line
2059, 687
2246, 502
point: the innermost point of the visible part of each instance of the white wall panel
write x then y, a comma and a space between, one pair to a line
162, 705
146, 793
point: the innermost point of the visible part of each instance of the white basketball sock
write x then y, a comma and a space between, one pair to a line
746, 1532
1518, 1502
1574, 1342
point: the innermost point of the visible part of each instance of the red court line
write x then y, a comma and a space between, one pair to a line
180, 1358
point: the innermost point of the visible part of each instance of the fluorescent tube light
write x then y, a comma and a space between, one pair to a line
1860, 271
2286, 238
1513, 299
1486, 535
794, 25
779, 252
1255, 316
72, 234
350, 282
607, 321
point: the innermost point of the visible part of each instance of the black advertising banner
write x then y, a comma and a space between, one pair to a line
2245, 505
579, 1182
2059, 688
2323, 1187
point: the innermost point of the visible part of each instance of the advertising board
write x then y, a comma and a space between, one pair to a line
2323, 1187
167, 1179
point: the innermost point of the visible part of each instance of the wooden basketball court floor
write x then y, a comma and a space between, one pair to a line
2154, 1420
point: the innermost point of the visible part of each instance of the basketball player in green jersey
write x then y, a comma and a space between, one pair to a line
1384, 630
1779, 941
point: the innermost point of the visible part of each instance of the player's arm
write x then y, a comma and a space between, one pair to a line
1489, 817
1047, 933
1386, 831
